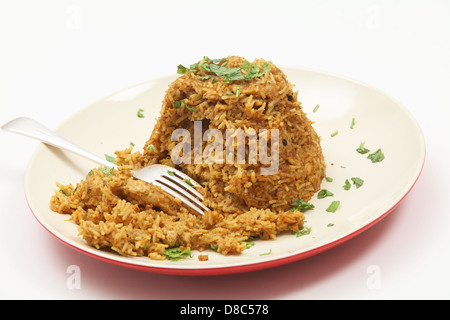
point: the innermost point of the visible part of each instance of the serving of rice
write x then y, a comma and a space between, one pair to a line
115, 211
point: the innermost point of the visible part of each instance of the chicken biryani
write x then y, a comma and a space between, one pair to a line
115, 211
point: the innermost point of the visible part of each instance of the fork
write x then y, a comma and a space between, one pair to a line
171, 180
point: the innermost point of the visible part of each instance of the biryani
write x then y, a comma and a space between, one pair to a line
115, 211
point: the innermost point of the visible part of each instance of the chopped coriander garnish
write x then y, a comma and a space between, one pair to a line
329, 179
334, 133
180, 103
333, 206
301, 205
229, 74
361, 148
352, 125
151, 147
303, 231
358, 182
205, 77
177, 253
214, 80
140, 113
330, 225
316, 108
218, 67
181, 69
267, 253
106, 170
189, 108
132, 144
238, 91
177, 104
170, 173
63, 192
91, 172
228, 93
188, 181
324, 193
377, 156
249, 244
347, 185
110, 158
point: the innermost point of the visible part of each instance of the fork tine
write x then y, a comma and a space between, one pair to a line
180, 180
175, 190
175, 184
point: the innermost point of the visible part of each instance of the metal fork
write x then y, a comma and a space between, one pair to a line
172, 181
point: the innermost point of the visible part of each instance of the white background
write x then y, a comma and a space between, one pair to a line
56, 57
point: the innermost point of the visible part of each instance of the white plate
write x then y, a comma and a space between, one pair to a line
111, 124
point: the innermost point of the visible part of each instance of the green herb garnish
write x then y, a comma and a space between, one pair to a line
267, 253
177, 253
230, 74
333, 206
249, 244
329, 179
334, 133
151, 147
140, 113
180, 103
171, 173
238, 92
324, 193
188, 181
377, 156
302, 232
316, 108
107, 170
301, 205
358, 182
347, 185
352, 125
110, 158
361, 148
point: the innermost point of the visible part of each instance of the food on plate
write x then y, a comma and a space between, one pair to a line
250, 185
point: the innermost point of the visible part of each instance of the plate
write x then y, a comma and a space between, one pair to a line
332, 102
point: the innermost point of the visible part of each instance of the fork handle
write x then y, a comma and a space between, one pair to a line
36, 130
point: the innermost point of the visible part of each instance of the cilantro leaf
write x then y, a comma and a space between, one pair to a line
301, 205
361, 148
110, 158
347, 185
140, 113
333, 206
324, 193
377, 156
106, 170
177, 253
181, 69
302, 232
358, 182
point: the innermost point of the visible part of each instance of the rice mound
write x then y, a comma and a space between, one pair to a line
113, 210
